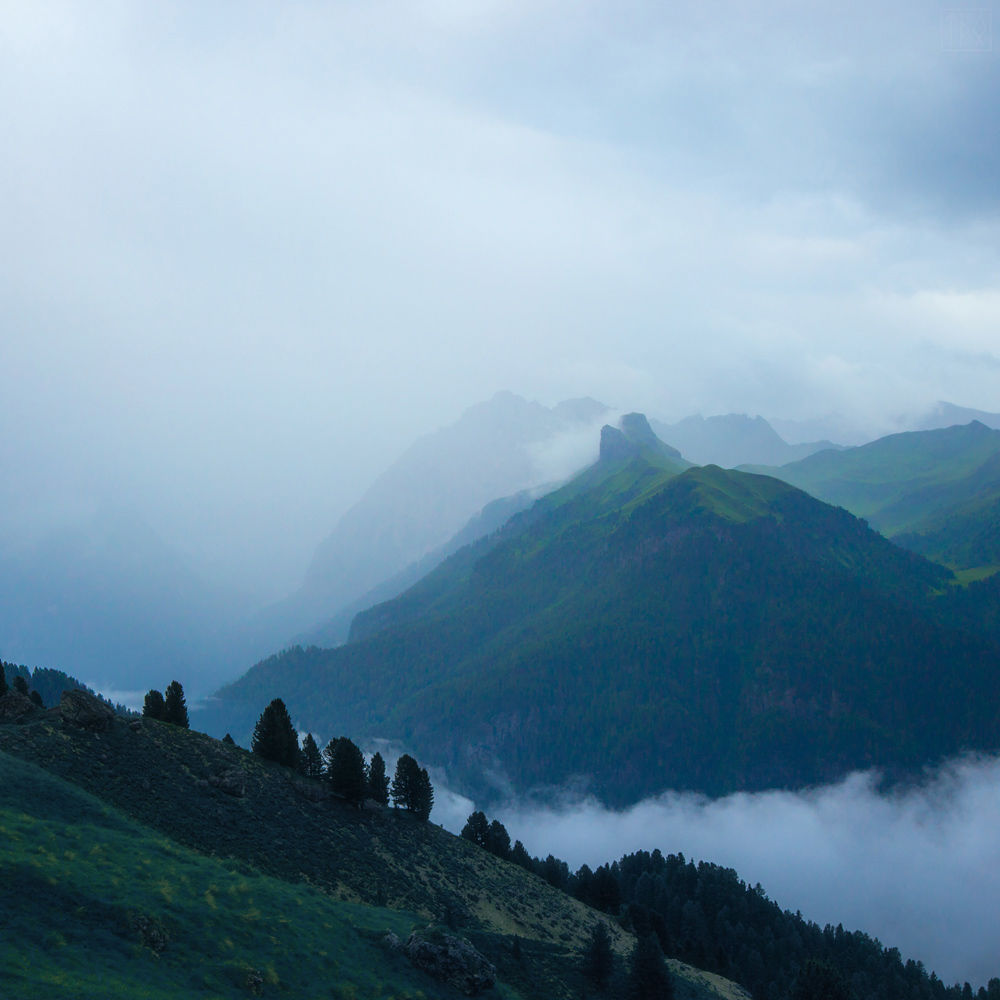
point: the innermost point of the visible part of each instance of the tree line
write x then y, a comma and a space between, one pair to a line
342, 765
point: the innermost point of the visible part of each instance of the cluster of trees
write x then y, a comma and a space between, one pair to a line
342, 765
648, 975
19, 683
169, 706
44, 686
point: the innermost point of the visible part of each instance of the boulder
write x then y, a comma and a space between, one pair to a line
81, 708
450, 959
14, 706
232, 782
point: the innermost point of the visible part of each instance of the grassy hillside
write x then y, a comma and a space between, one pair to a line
280, 881
711, 630
936, 492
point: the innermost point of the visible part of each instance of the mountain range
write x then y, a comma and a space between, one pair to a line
654, 625
936, 492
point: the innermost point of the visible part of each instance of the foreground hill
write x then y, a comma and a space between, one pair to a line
649, 627
139, 859
97, 904
936, 492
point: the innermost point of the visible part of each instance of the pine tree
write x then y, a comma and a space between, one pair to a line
820, 981
274, 737
378, 780
477, 829
424, 799
345, 770
175, 709
498, 840
599, 957
21, 685
228, 740
3, 679
153, 706
649, 978
311, 760
36, 700
411, 787
520, 856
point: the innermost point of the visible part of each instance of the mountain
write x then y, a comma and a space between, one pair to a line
107, 600
647, 627
497, 448
733, 439
948, 414
936, 492
493, 516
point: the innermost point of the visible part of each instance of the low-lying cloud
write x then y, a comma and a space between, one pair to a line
918, 867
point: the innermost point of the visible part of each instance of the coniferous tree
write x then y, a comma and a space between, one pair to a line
36, 700
520, 856
378, 780
498, 840
345, 770
274, 736
21, 685
599, 956
477, 829
3, 679
649, 978
820, 981
311, 760
174, 707
424, 800
229, 740
153, 706
411, 787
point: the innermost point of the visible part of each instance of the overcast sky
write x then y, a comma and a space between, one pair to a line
249, 251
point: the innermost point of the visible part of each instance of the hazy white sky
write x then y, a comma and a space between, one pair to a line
249, 251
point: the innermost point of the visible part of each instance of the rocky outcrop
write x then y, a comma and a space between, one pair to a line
82, 709
450, 959
14, 707
232, 782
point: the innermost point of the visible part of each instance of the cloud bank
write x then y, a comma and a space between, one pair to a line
918, 868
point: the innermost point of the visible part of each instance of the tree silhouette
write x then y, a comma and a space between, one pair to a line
599, 957
311, 760
153, 706
411, 787
378, 780
477, 829
345, 770
175, 709
274, 736
498, 840
649, 978
820, 981
3, 680
21, 685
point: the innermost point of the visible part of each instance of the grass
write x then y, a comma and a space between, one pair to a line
86, 897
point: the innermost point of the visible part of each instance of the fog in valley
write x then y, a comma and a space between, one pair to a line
917, 867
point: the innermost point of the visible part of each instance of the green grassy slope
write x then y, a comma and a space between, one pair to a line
89, 896
936, 492
711, 630
94, 903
